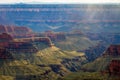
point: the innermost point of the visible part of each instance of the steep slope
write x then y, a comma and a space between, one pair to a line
45, 64
106, 67
111, 53
99, 64
6, 77
98, 70
85, 76
76, 42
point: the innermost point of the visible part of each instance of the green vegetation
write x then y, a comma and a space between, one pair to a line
85, 76
100, 63
19, 68
76, 43
2, 77
51, 55
93, 70
89, 76
45, 64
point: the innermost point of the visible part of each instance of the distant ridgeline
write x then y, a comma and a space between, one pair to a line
63, 17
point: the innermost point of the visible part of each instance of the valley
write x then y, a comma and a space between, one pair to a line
59, 42
35, 57
54, 55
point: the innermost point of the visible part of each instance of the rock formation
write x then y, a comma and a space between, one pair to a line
114, 67
16, 32
113, 50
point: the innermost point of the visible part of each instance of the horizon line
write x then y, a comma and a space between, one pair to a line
57, 3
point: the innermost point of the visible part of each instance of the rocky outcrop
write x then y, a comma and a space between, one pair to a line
58, 69
5, 39
93, 52
14, 29
21, 45
55, 36
16, 32
113, 50
75, 63
114, 67
24, 32
4, 54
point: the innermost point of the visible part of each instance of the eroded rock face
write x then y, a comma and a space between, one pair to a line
16, 32
75, 63
23, 47
54, 36
113, 50
10, 45
15, 29
93, 52
5, 39
114, 67
58, 69
4, 54
4, 42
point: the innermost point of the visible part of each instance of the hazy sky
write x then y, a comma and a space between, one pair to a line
61, 1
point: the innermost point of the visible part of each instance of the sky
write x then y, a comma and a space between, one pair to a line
60, 1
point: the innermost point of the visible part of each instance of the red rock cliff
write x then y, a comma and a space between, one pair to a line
113, 50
